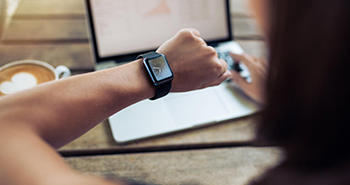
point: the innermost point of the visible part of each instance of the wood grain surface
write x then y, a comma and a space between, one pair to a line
3, 7
51, 7
46, 29
230, 166
77, 56
229, 133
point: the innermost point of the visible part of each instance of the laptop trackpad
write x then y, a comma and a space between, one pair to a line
178, 111
203, 106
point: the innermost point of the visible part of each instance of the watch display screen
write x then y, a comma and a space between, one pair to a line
160, 68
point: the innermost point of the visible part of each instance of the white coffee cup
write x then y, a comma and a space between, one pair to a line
20, 75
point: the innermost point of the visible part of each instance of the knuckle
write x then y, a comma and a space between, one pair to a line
201, 42
186, 34
223, 63
246, 57
217, 83
217, 68
210, 51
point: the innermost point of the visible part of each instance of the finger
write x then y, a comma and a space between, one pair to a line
235, 56
238, 80
202, 41
244, 59
225, 76
189, 32
218, 81
224, 66
264, 63
195, 32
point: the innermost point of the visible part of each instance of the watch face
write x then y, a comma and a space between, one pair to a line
160, 68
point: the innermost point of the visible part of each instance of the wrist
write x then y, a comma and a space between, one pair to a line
129, 81
159, 73
142, 82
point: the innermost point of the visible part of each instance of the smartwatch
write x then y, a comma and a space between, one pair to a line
159, 71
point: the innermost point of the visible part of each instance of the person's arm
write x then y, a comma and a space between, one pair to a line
54, 114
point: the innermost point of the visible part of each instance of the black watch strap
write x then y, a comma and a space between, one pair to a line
149, 55
162, 89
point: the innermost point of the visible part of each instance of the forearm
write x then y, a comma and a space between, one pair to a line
63, 110
26, 159
57, 113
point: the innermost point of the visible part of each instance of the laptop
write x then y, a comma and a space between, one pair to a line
122, 29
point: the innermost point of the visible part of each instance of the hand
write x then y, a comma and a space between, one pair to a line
257, 69
194, 63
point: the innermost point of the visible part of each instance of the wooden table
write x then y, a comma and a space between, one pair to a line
55, 31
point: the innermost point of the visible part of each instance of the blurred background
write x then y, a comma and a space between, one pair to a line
55, 31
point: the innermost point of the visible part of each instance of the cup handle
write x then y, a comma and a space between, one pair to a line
62, 72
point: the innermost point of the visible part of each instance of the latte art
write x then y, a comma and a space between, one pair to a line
19, 82
23, 76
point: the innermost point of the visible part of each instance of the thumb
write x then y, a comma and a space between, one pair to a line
239, 80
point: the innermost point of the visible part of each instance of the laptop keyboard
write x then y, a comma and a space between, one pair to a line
232, 65
229, 60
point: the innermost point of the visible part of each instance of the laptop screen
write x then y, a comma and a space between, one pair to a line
122, 27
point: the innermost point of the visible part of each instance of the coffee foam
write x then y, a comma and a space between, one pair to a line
19, 82
23, 76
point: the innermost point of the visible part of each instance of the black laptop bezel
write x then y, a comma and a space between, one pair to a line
131, 56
